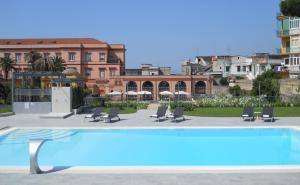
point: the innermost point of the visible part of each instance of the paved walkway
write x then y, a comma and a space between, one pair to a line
141, 119
151, 179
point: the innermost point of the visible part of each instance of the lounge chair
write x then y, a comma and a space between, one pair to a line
267, 114
113, 113
97, 112
161, 112
178, 113
248, 114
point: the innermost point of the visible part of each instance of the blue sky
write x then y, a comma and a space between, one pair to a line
162, 32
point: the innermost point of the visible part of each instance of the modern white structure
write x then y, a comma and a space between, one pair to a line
230, 66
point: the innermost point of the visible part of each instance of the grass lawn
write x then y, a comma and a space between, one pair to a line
126, 110
5, 108
237, 112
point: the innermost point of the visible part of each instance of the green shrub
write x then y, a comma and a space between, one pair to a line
235, 90
122, 105
5, 93
224, 81
78, 94
188, 106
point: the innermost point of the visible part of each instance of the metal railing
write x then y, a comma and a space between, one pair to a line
32, 95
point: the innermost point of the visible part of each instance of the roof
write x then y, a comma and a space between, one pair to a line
28, 41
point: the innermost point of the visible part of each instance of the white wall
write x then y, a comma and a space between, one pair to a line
61, 99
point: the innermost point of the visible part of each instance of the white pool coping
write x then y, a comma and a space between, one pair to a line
157, 169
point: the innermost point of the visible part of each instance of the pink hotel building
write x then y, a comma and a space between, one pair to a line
102, 66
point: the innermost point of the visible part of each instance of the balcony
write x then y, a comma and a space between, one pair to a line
283, 33
295, 31
295, 50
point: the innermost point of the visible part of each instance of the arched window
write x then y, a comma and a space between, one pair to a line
200, 88
147, 86
131, 86
180, 86
163, 86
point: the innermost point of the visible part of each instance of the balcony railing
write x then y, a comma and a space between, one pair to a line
283, 33
32, 92
32, 95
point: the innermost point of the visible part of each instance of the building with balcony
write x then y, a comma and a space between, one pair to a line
96, 61
197, 66
230, 66
289, 33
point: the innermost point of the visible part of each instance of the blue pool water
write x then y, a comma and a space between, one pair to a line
154, 147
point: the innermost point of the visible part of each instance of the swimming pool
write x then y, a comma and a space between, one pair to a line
154, 147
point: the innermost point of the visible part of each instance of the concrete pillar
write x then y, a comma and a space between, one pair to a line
155, 90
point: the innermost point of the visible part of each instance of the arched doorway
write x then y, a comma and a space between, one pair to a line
200, 88
131, 86
180, 88
164, 86
147, 86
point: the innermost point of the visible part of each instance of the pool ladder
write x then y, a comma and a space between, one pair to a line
34, 147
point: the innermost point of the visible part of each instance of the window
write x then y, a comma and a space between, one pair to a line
295, 60
88, 57
294, 23
88, 72
112, 72
227, 68
263, 68
72, 56
238, 68
46, 54
244, 68
102, 73
102, 57
18, 57
6, 55
287, 61
58, 54
250, 68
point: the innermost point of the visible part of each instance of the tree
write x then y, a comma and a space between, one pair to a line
32, 58
267, 84
7, 64
5, 93
58, 64
224, 81
44, 64
290, 8
235, 90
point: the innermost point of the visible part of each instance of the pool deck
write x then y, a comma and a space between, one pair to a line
141, 119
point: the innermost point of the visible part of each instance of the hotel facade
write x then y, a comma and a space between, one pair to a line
102, 66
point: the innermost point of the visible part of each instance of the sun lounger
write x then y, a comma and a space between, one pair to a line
248, 114
267, 114
178, 113
113, 113
97, 112
161, 112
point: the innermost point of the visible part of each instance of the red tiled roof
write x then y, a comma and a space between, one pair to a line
50, 41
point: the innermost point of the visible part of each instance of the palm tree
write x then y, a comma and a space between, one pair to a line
43, 64
7, 64
58, 63
32, 57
